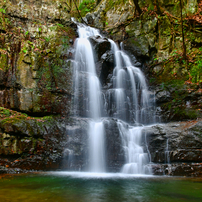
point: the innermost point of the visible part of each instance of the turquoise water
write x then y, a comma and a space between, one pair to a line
87, 187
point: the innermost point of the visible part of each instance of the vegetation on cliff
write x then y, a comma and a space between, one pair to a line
33, 50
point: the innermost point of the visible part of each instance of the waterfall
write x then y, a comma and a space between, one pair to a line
87, 96
167, 153
136, 159
128, 101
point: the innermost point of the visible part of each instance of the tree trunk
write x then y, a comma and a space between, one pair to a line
79, 13
156, 3
137, 6
183, 41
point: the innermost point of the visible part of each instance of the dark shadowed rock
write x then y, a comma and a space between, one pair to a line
181, 141
100, 46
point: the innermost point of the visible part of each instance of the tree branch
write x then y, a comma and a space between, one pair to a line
137, 6
79, 13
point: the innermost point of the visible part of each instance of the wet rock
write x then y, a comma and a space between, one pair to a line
184, 169
100, 46
89, 18
103, 56
76, 151
138, 64
163, 96
175, 142
115, 156
105, 66
4, 170
138, 47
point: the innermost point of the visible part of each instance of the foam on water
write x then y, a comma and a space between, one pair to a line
97, 175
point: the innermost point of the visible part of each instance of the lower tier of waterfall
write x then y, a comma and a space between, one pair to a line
107, 145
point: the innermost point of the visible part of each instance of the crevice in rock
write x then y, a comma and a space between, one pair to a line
20, 18
2, 31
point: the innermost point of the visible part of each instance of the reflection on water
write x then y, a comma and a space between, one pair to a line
86, 187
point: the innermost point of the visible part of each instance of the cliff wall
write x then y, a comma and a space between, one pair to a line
36, 39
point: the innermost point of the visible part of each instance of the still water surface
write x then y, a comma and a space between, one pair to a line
88, 187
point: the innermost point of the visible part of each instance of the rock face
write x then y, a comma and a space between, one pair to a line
178, 102
103, 57
146, 34
34, 73
36, 40
175, 148
31, 143
110, 13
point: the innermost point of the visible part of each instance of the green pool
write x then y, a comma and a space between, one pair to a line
87, 187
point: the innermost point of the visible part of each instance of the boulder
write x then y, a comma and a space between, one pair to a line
100, 46
175, 142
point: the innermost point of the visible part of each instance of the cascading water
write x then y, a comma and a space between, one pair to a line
130, 89
127, 100
87, 99
137, 160
167, 152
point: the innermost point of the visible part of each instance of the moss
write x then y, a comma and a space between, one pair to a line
50, 64
184, 104
114, 4
3, 61
48, 118
4, 112
86, 6
8, 116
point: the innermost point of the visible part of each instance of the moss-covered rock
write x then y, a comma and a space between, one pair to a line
34, 74
25, 139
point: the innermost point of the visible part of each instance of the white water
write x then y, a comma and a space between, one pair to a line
96, 145
87, 84
98, 175
167, 153
127, 77
137, 160
128, 98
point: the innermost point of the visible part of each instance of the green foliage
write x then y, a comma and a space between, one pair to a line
2, 10
4, 112
24, 50
86, 6
48, 118
47, 39
60, 25
151, 7
8, 116
112, 3
196, 71
152, 80
53, 28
